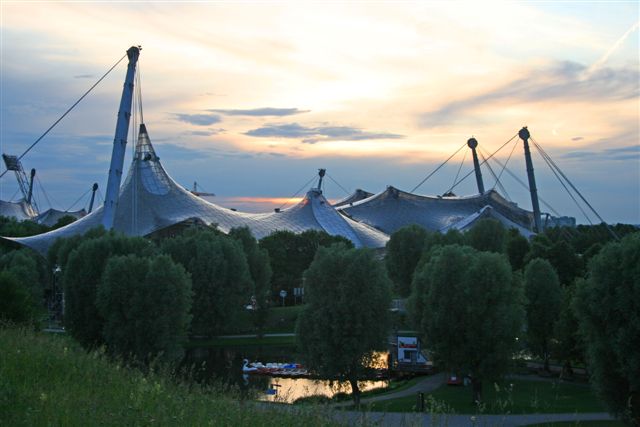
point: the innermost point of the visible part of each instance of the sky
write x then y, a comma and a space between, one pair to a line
250, 99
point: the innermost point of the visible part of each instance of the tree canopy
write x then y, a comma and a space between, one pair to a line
488, 234
220, 277
404, 250
346, 316
608, 309
145, 303
544, 303
81, 275
291, 254
472, 311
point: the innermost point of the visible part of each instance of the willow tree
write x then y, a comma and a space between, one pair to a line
346, 317
472, 312
607, 305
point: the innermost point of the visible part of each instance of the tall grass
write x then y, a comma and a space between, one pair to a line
49, 380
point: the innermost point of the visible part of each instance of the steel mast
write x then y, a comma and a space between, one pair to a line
524, 135
120, 142
473, 143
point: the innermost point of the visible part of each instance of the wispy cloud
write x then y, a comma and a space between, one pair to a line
563, 81
199, 119
257, 112
631, 152
210, 132
312, 135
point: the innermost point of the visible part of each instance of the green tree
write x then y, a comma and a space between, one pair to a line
145, 304
568, 346
608, 306
25, 265
566, 262
291, 254
220, 278
82, 274
487, 235
260, 270
346, 316
544, 303
472, 312
404, 250
517, 249
16, 302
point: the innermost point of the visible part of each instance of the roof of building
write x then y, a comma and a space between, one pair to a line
393, 209
19, 210
151, 200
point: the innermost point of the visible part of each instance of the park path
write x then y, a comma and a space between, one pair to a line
436, 420
426, 385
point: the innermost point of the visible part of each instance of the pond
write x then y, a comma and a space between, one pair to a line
225, 364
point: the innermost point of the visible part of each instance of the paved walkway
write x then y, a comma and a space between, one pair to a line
436, 420
429, 384
426, 385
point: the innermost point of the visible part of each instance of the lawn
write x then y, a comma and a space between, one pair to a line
523, 397
48, 381
279, 320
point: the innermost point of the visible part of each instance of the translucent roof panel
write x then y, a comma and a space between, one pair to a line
151, 200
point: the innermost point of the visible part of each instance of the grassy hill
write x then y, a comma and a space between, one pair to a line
49, 380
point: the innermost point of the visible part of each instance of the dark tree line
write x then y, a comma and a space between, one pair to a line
574, 295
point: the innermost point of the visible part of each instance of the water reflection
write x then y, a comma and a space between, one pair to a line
216, 364
288, 390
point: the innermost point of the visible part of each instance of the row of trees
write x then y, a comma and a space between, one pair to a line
478, 298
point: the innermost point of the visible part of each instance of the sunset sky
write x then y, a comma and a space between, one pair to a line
250, 99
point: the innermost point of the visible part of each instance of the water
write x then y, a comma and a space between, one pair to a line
225, 364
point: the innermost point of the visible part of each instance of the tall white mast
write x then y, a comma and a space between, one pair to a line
120, 142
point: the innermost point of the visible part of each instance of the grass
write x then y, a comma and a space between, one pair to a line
279, 320
45, 380
525, 397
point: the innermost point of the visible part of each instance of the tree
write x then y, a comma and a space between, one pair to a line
607, 305
568, 346
566, 262
487, 235
404, 250
260, 270
517, 249
220, 278
544, 302
346, 316
145, 303
28, 270
291, 254
16, 302
82, 274
472, 312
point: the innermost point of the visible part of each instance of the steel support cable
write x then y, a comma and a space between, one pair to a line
507, 162
338, 184
498, 183
483, 162
526, 187
541, 150
438, 168
547, 161
79, 198
296, 193
464, 157
46, 196
14, 195
66, 112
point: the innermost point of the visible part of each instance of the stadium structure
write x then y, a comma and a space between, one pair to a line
150, 201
